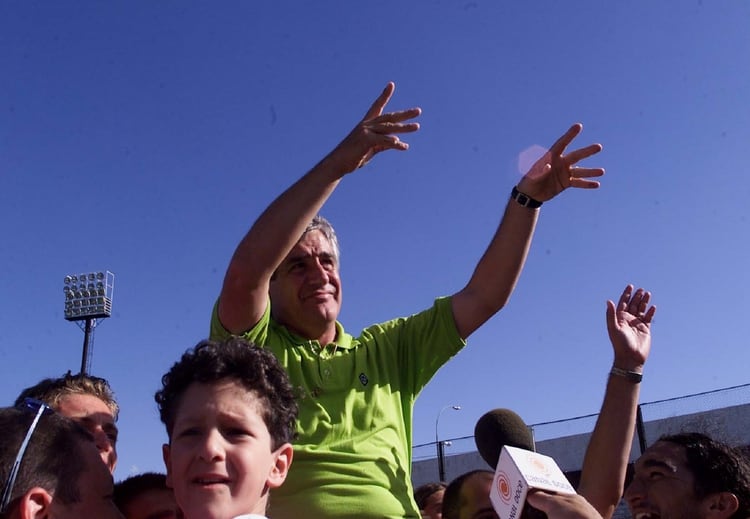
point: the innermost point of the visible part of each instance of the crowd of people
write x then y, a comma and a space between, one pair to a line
281, 413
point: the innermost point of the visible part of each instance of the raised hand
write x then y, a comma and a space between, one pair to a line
629, 327
375, 133
554, 171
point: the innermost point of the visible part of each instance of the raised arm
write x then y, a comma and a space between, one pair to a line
608, 452
498, 270
245, 291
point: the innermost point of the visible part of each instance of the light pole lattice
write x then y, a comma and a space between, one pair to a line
88, 300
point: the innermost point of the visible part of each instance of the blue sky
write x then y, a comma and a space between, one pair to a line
146, 137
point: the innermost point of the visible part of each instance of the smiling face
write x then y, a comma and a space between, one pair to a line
306, 289
97, 418
663, 487
220, 461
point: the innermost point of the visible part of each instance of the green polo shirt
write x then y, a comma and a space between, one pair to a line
352, 457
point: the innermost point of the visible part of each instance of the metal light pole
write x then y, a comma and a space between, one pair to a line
88, 299
440, 445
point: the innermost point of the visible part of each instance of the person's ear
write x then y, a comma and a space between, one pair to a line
166, 454
282, 461
721, 505
35, 504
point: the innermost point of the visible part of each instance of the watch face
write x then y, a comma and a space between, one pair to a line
524, 200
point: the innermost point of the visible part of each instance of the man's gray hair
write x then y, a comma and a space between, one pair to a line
319, 223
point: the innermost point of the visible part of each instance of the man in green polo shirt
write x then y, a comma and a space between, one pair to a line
282, 290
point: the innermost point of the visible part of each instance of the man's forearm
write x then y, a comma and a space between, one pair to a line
608, 452
498, 270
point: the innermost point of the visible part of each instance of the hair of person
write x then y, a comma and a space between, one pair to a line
54, 457
52, 390
255, 368
132, 487
423, 492
319, 223
453, 499
716, 467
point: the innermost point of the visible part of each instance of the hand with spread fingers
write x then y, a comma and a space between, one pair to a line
375, 133
556, 171
629, 327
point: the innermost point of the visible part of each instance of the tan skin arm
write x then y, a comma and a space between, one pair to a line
498, 270
608, 452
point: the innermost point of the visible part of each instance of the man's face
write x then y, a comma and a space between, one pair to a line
156, 503
95, 487
433, 508
475, 497
663, 487
94, 415
306, 289
219, 460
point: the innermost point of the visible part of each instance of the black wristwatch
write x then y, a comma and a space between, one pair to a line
524, 200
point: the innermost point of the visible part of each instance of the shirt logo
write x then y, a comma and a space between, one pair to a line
363, 379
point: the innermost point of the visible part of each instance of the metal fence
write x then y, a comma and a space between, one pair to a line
695, 406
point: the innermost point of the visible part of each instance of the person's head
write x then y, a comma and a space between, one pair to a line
468, 496
146, 496
60, 475
690, 475
230, 414
87, 400
429, 498
305, 289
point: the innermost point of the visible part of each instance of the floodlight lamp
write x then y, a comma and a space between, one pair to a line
88, 295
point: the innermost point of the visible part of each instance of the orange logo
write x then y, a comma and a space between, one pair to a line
503, 487
539, 464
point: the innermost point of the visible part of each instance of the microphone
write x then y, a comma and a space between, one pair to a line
505, 442
501, 427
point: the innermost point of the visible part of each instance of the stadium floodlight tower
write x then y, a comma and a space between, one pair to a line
88, 299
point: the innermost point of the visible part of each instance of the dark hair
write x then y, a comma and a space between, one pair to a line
52, 390
453, 499
132, 487
423, 492
54, 457
256, 369
716, 467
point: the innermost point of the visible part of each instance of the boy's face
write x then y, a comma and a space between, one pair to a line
219, 460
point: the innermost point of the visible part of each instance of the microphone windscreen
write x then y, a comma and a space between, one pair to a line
497, 428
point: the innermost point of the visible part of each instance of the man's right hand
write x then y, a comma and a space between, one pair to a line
374, 133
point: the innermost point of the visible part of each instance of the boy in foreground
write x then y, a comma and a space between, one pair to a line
230, 414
